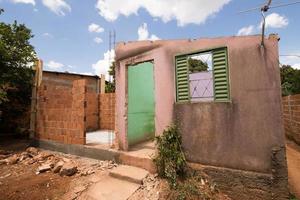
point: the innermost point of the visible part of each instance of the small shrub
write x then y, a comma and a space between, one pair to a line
170, 160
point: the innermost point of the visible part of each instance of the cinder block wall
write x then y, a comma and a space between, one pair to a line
291, 117
107, 111
61, 112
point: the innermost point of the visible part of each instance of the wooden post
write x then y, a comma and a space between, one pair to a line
36, 83
102, 85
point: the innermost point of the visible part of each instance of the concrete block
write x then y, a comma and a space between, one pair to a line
129, 173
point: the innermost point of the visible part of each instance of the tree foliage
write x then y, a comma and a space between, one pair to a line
196, 65
17, 57
111, 86
290, 80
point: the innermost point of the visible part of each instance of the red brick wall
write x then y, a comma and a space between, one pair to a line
291, 117
107, 111
61, 112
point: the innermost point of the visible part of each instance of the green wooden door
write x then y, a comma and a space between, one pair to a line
140, 103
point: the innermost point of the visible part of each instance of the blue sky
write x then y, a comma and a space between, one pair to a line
72, 35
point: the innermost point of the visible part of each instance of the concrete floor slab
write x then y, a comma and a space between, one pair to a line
129, 173
110, 188
100, 137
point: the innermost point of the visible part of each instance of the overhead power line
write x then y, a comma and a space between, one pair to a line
289, 55
270, 7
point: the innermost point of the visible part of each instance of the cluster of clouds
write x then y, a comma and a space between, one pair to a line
165, 10
273, 20
59, 7
143, 33
292, 60
95, 28
183, 11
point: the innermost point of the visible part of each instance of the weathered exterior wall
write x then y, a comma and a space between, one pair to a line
107, 111
291, 117
67, 107
226, 134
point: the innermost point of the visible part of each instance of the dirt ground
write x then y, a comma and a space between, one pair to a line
293, 160
21, 181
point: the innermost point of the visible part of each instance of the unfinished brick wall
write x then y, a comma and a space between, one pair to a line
291, 117
61, 112
107, 111
92, 111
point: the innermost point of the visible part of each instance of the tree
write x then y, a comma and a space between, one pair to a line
196, 65
17, 57
290, 80
110, 86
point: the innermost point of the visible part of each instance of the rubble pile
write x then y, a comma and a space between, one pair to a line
53, 162
150, 189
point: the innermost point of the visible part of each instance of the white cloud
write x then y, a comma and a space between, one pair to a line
70, 66
59, 7
87, 73
296, 66
48, 35
102, 65
24, 1
98, 40
248, 30
95, 28
183, 11
143, 33
293, 60
54, 65
275, 20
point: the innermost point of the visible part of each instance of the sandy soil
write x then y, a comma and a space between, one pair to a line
293, 160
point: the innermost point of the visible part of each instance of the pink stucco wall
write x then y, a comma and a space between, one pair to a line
163, 53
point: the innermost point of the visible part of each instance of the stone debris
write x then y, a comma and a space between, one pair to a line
4, 152
12, 159
68, 169
32, 151
58, 166
2, 162
149, 189
43, 168
65, 165
24, 156
5, 176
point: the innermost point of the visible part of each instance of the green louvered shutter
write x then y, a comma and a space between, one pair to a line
182, 83
220, 72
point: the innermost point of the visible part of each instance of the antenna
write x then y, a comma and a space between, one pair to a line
112, 45
263, 10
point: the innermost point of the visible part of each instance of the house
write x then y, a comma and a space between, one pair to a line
223, 93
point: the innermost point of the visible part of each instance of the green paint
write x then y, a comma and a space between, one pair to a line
220, 72
140, 103
182, 77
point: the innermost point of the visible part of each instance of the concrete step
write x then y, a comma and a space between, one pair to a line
110, 188
129, 173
